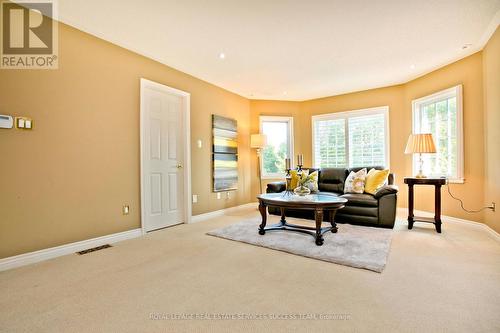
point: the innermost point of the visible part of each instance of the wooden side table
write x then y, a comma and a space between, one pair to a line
437, 183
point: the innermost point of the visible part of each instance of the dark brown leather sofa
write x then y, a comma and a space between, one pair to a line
377, 210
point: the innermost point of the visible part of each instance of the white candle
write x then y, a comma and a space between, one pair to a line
287, 164
300, 159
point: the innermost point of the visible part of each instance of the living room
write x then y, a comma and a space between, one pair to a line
100, 232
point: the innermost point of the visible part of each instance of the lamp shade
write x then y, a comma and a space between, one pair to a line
258, 140
420, 143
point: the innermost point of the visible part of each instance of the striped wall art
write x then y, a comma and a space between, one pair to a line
224, 153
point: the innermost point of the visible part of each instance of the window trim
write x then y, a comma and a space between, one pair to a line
432, 98
355, 113
289, 120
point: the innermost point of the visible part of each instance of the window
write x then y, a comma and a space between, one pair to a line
352, 138
279, 145
441, 115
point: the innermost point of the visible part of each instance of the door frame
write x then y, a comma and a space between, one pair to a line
186, 138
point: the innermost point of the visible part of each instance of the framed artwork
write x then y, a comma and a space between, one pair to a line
224, 153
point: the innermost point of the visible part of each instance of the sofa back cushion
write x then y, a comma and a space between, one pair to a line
332, 179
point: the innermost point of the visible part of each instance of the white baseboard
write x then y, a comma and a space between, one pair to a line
451, 219
222, 212
53, 252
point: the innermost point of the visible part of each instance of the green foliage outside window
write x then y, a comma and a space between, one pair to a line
274, 159
440, 119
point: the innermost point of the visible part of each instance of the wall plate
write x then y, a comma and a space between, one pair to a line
24, 123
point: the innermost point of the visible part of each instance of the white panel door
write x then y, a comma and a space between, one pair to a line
162, 154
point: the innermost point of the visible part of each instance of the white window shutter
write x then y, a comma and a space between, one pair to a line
367, 140
330, 143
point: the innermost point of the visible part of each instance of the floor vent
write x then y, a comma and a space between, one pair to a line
94, 249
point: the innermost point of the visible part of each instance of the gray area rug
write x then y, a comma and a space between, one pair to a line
355, 246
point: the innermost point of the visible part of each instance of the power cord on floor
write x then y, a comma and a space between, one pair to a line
492, 207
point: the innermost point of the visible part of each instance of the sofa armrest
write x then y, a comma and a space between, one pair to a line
276, 187
384, 190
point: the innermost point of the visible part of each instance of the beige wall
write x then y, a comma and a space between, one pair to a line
467, 71
67, 179
491, 86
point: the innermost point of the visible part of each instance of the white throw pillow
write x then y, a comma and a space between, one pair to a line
355, 182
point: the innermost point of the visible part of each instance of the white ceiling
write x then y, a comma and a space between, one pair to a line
292, 49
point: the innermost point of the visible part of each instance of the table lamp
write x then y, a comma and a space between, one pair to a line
420, 144
258, 141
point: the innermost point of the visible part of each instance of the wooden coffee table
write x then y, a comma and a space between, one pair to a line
320, 203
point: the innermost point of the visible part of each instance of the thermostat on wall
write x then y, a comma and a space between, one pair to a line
6, 121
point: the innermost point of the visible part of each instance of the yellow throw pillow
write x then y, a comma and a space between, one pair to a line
295, 178
375, 179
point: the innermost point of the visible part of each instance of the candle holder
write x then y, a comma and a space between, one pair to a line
288, 190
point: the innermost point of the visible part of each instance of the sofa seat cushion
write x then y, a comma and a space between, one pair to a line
359, 210
355, 199
357, 219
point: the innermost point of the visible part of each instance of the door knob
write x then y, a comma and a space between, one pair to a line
178, 166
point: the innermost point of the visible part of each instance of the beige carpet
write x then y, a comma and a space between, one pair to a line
431, 283
351, 245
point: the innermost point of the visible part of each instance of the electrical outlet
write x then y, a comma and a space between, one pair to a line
125, 209
218, 195
195, 198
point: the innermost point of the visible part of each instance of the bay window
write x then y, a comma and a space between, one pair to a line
351, 139
279, 132
441, 115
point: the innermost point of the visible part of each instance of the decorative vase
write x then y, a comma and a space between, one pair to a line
302, 190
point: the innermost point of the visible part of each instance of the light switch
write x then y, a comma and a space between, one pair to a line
195, 198
24, 123
199, 143
218, 195
126, 209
